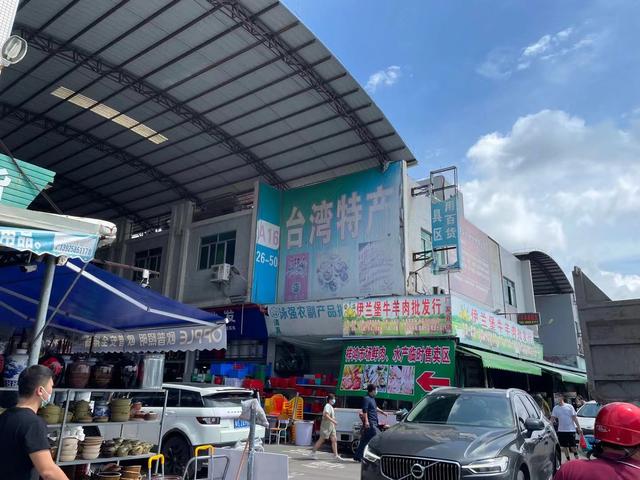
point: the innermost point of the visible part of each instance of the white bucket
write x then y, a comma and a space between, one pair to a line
304, 431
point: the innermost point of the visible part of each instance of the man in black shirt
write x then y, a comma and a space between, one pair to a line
23, 435
370, 426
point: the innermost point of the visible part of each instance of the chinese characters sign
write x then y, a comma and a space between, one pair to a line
477, 327
398, 316
310, 318
342, 238
400, 369
82, 246
15, 189
445, 229
267, 245
156, 340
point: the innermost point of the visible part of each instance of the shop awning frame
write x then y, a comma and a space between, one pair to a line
99, 302
502, 362
566, 376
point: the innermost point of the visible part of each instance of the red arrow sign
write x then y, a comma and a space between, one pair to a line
427, 381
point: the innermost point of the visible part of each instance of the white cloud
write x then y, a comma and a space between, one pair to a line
556, 183
501, 63
387, 77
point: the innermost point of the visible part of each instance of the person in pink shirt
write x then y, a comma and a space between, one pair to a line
617, 452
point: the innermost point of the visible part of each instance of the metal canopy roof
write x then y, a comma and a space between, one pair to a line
548, 277
240, 89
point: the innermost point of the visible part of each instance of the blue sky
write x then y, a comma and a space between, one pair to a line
537, 103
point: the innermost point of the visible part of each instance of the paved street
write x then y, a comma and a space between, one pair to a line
302, 466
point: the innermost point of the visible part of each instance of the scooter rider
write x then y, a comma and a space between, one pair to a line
617, 452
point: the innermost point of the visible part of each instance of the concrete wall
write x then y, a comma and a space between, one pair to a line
519, 273
197, 288
148, 242
557, 325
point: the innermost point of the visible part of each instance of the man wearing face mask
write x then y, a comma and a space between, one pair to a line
328, 429
23, 435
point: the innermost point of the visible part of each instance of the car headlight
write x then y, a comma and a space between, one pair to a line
489, 466
369, 456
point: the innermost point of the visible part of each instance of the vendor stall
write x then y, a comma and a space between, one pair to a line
48, 285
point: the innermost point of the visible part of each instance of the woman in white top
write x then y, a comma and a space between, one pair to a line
328, 429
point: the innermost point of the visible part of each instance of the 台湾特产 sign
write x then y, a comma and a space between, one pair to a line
400, 369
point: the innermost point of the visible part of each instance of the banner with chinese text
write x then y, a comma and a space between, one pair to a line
305, 319
445, 229
343, 238
481, 328
155, 340
397, 316
402, 369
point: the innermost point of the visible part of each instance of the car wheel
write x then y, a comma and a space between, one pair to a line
354, 446
521, 475
177, 452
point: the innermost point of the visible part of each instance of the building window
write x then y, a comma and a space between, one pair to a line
425, 244
509, 291
148, 259
216, 249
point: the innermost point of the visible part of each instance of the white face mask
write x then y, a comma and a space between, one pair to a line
46, 401
332, 402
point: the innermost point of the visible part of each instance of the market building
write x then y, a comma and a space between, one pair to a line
253, 177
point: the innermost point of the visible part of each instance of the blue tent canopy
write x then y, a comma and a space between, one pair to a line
99, 301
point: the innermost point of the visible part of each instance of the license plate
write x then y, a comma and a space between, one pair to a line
240, 424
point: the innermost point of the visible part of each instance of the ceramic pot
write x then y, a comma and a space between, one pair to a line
14, 365
79, 374
102, 374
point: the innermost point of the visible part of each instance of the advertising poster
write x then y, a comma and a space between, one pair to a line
398, 316
343, 238
400, 369
474, 280
481, 328
445, 228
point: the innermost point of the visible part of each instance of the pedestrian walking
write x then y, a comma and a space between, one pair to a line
565, 415
369, 419
328, 429
23, 435
617, 429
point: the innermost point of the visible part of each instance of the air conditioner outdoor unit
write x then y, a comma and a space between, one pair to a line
220, 272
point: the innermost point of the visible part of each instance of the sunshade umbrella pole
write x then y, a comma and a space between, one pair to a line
43, 306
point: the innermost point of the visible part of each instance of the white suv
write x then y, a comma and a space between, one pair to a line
197, 414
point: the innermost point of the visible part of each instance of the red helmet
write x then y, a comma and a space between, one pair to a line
619, 424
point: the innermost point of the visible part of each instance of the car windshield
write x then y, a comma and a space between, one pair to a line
464, 409
225, 399
589, 410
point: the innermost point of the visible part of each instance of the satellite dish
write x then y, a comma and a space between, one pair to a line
13, 50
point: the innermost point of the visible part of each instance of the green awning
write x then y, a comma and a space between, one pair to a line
501, 362
565, 375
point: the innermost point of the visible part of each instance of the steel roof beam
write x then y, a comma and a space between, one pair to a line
122, 156
253, 177
273, 42
179, 108
206, 147
206, 177
346, 164
64, 44
51, 46
99, 198
226, 155
156, 150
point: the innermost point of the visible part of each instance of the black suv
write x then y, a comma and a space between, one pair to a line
456, 433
